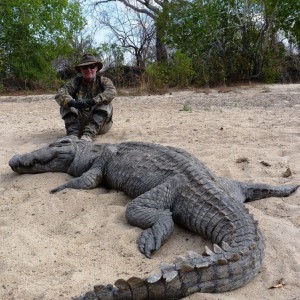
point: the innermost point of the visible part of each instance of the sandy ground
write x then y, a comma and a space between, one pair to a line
55, 246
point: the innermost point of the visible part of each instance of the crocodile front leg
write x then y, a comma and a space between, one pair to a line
151, 211
88, 180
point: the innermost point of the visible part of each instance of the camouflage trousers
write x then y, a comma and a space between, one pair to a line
91, 121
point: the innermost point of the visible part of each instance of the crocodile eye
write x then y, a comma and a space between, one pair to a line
65, 142
61, 142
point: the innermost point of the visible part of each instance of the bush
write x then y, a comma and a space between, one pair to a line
176, 73
182, 72
272, 68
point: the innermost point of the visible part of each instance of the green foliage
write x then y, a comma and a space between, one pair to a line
110, 54
177, 72
186, 107
273, 67
33, 33
181, 70
232, 40
158, 76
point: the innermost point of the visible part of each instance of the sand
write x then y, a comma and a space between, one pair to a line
55, 246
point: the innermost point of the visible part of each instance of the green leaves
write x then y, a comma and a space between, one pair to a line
233, 39
33, 33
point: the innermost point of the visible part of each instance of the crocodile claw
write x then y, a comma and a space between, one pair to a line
58, 189
148, 242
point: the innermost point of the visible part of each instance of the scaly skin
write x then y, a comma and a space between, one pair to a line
168, 185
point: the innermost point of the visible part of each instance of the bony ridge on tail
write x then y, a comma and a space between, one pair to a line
167, 185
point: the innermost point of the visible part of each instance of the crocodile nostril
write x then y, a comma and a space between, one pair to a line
14, 162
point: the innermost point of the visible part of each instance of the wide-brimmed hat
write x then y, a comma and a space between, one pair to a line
88, 59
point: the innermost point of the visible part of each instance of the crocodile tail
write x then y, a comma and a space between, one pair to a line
221, 269
259, 191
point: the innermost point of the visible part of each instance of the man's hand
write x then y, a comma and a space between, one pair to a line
90, 102
78, 104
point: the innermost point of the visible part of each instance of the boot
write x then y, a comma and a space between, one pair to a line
96, 122
87, 138
71, 124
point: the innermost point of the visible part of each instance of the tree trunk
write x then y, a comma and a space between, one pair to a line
161, 49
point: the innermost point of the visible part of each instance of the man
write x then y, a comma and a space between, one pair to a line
85, 101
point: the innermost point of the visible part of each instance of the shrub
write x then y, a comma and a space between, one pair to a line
177, 72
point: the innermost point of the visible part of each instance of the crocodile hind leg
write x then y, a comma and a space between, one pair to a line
151, 212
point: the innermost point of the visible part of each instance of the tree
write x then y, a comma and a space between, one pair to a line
111, 54
233, 39
80, 43
133, 31
33, 33
156, 12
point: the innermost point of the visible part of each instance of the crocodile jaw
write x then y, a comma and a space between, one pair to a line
55, 157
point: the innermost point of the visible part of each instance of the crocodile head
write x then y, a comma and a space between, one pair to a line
55, 157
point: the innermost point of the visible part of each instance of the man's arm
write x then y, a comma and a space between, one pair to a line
109, 92
63, 96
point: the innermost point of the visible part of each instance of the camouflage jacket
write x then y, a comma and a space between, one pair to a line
102, 91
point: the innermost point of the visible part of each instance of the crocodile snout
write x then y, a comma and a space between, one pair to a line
19, 164
14, 162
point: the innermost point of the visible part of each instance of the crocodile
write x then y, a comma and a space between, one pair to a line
167, 185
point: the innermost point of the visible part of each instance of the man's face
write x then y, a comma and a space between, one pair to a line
89, 71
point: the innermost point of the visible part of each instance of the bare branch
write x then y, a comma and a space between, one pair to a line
153, 8
132, 30
150, 10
